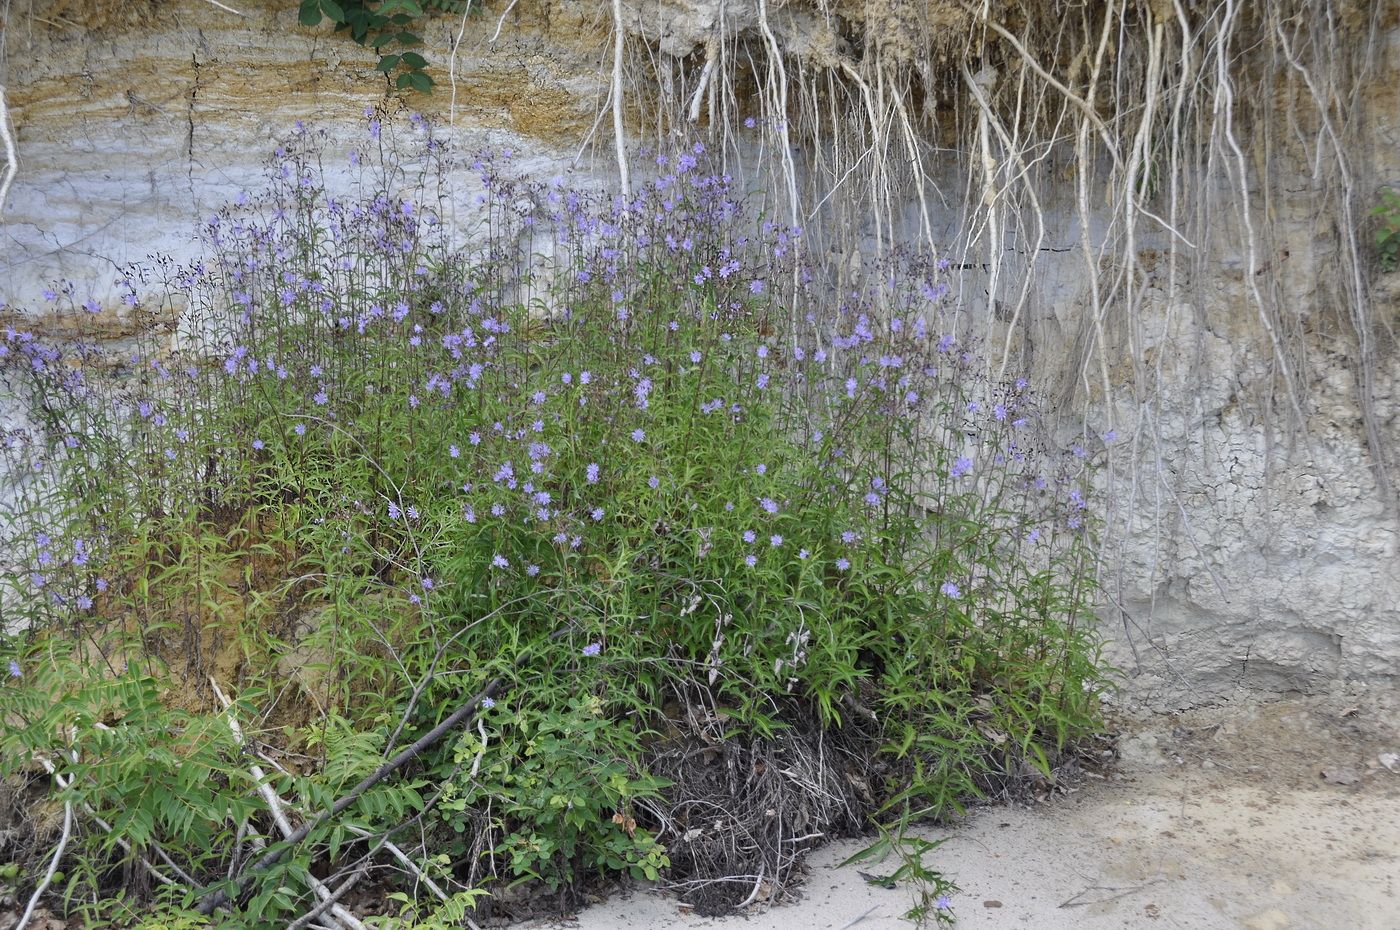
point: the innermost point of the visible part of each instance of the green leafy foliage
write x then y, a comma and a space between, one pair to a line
413, 915
564, 785
386, 25
1387, 214
931, 890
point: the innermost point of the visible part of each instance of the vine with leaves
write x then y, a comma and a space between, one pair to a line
389, 27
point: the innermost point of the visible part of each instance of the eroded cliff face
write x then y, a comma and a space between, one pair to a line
1253, 558
130, 134
1243, 552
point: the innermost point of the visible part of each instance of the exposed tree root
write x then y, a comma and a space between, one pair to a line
1148, 137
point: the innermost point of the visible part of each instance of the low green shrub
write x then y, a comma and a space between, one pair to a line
634, 465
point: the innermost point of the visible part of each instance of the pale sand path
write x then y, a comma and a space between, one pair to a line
1218, 818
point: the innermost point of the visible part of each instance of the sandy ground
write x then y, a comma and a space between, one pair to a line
1218, 818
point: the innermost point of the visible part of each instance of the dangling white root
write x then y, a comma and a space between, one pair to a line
11, 156
618, 104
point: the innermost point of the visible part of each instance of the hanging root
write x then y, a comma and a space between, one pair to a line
618, 103
1132, 149
741, 812
11, 156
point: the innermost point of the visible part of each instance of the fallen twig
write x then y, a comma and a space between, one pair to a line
215, 899
53, 867
329, 902
405, 860
279, 817
1122, 893
864, 914
392, 849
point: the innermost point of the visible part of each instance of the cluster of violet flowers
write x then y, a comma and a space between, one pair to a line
675, 405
